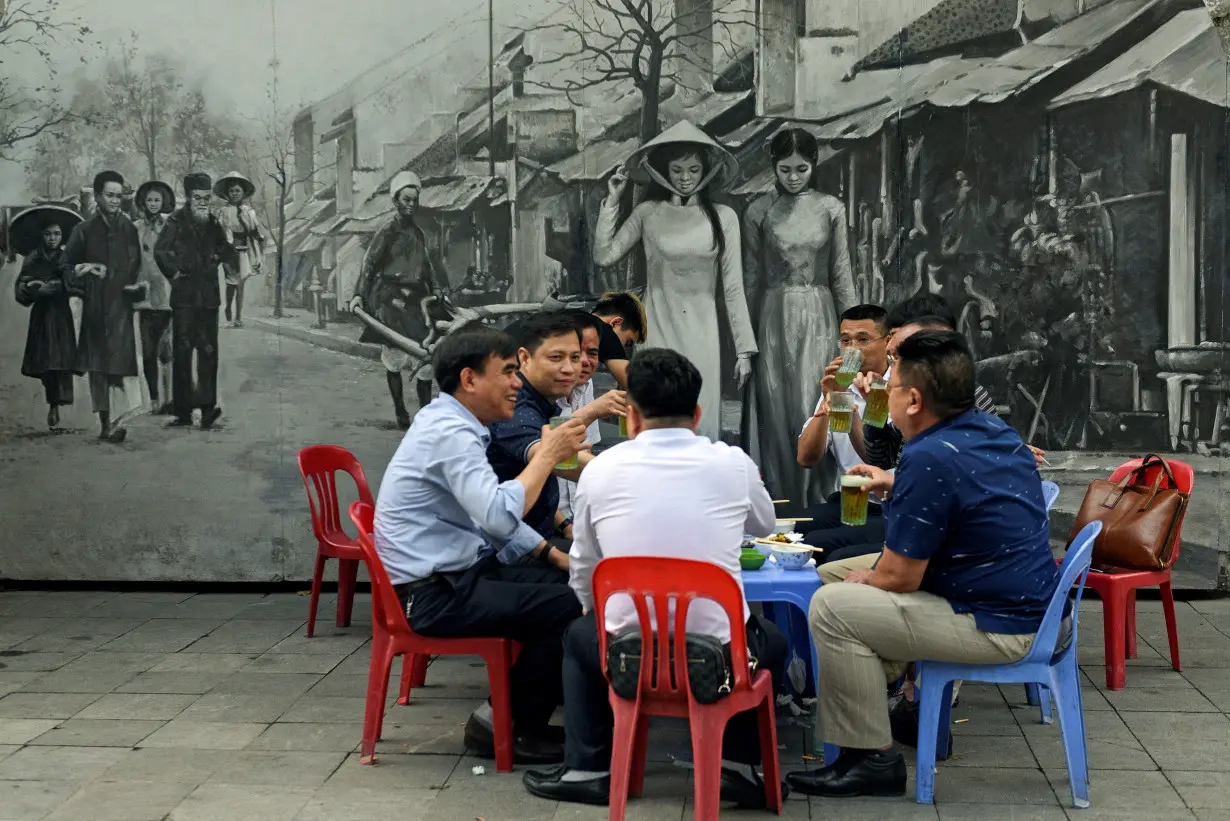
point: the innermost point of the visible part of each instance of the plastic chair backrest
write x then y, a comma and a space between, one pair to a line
1073, 571
319, 465
1184, 479
386, 609
1050, 494
665, 580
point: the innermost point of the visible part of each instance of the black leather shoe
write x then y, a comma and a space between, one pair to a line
550, 784
480, 740
744, 792
881, 774
210, 416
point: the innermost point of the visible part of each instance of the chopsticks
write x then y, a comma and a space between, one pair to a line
788, 521
781, 501
798, 545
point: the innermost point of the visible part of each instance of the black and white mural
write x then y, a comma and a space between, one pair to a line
205, 207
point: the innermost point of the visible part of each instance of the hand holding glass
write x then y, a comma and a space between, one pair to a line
854, 500
851, 364
571, 463
875, 412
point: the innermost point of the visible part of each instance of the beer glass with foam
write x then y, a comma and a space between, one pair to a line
854, 500
875, 411
841, 411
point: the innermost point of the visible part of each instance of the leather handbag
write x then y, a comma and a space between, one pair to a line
709, 666
1140, 522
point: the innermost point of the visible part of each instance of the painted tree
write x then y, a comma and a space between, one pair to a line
653, 45
33, 35
141, 97
202, 139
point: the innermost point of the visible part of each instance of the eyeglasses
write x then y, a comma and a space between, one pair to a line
861, 341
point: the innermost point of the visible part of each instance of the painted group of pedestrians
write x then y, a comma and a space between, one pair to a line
161, 265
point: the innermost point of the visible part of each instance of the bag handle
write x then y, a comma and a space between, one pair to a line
1112, 498
1152, 459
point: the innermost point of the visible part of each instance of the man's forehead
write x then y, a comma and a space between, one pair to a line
850, 326
564, 342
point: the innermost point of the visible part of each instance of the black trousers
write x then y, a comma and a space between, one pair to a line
194, 330
589, 725
153, 326
841, 541
58, 387
529, 603
827, 515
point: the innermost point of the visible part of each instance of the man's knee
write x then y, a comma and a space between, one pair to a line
829, 601
581, 639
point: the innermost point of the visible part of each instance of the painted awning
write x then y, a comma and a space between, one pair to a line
948, 23
1184, 55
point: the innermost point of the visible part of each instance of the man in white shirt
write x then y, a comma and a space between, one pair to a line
863, 327
666, 492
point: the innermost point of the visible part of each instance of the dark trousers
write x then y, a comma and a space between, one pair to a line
153, 326
827, 515
589, 725
529, 603
58, 387
194, 330
841, 541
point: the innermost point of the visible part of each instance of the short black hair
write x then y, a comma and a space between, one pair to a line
663, 384
470, 346
867, 312
940, 366
627, 307
918, 306
103, 177
544, 325
584, 320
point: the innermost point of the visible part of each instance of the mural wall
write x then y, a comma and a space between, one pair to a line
1056, 169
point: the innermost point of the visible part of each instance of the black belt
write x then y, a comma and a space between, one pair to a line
418, 584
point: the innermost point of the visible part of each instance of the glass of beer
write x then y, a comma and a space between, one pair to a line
875, 412
854, 500
851, 362
571, 463
841, 411
623, 427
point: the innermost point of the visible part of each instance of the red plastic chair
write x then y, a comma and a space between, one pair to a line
682, 581
319, 465
392, 637
1117, 589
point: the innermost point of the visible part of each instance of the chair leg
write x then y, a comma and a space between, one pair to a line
769, 759
1114, 632
501, 707
935, 710
420, 670
624, 754
707, 730
347, 578
317, 577
407, 678
1129, 634
640, 752
384, 694
377, 685
1031, 695
1065, 682
1172, 625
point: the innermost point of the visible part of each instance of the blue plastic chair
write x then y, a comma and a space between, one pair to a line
1036, 695
1049, 660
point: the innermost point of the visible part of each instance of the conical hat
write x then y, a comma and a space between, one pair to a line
684, 132
225, 182
26, 229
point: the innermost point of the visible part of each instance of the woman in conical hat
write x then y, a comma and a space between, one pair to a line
243, 229
693, 253
38, 234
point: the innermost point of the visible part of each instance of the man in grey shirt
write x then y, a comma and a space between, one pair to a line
452, 539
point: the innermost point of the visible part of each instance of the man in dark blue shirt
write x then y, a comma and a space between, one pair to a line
550, 365
965, 576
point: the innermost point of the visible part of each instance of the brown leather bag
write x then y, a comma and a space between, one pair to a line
1140, 523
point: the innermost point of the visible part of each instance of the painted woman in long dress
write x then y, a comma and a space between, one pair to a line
692, 251
796, 265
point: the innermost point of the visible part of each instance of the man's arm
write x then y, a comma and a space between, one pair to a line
611, 352
164, 250
371, 259
814, 438
916, 522
573, 475
761, 517
896, 573
619, 370
585, 553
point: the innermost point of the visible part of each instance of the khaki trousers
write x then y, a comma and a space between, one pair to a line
863, 633
834, 572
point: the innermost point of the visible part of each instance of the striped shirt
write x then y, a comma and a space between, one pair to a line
883, 445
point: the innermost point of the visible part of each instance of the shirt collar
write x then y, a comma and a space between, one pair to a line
530, 395
452, 406
667, 435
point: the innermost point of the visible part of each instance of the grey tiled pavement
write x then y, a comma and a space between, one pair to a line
150, 706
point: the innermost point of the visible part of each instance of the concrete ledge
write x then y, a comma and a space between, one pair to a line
329, 340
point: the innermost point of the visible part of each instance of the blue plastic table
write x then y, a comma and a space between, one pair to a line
771, 585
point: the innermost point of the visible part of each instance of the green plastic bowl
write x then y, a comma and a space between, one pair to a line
752, 561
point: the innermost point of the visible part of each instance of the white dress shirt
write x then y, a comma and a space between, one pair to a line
670, 493
839, 445
581, 396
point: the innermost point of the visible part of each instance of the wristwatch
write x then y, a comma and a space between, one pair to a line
562, 527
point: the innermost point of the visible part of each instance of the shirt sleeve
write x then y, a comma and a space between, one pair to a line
916, 518
514, 437
493, 505
983, 400
586, 552
610, 349
761, 516
883, 445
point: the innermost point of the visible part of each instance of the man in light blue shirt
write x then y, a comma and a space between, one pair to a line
451, 535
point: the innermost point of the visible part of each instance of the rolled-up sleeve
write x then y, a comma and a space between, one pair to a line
493, 505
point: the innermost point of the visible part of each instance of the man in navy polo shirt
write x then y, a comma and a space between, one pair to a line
966, 573
550, 365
